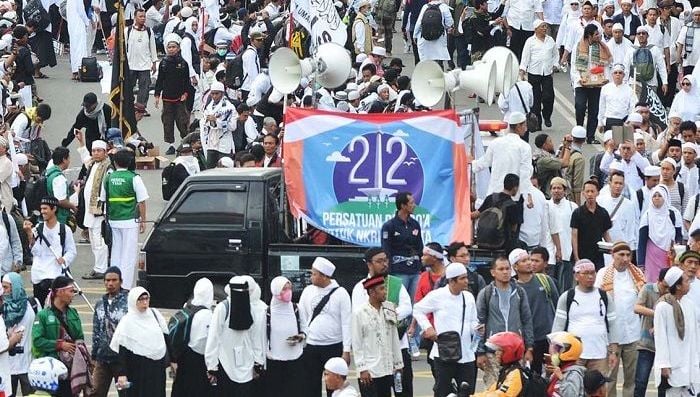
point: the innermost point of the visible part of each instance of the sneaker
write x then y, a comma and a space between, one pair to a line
93, 275
170, 151
415, 355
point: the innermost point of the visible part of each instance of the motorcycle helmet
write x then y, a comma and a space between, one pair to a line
45, 372
567, 345
510, 343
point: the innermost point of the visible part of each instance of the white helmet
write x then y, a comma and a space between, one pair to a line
45, 372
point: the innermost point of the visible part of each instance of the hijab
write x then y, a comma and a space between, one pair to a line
687, 104
661, 230
244, 297
188, 29
140, 332
277, 305
16, 302
203, 294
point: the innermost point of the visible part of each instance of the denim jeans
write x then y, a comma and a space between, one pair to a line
410, 282
645, 362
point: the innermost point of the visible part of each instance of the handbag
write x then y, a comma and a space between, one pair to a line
533, 122
105, 228
450, 342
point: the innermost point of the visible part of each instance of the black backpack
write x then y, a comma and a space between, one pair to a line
491, 233
431, 24
61, 236
594, 168
167, 187
34, 11
90, 70
209, 37
534, 385
35, 190
179, 328
234, 71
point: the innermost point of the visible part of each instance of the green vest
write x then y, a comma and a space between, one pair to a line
62, 214
121, 196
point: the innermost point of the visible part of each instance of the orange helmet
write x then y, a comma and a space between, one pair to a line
510, 343
568, 345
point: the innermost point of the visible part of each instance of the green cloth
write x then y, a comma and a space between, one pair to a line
62, 214
393, 289
46, 330
582, 58
121, 196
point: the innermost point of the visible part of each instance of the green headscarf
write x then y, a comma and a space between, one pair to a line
16, 303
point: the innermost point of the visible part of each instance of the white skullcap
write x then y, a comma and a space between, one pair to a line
172, 38
578, 132
186, 12
637, 136
536, 24
353, 95
617, 166
618, 26
217, 86
516, 118
360, 58
670, 161
643, 28
226, 162
625, 1
337, 366
383, 87
607, 136
324, 266
99, 144
652, 170
635, 118
695, 9
618, 66
381, 51
455, 269
673, 274
689, 145
674, 115
21, 159
351, 87
516, 255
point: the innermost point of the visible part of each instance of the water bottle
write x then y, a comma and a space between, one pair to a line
476, 338
119, 387
398, 386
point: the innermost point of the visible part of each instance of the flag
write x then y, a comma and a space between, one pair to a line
122, 94
343, 172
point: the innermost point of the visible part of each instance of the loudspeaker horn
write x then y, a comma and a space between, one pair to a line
333, 65
428, 83
480, 79
506, 67
285, 70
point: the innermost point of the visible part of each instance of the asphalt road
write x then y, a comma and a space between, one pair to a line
65, 97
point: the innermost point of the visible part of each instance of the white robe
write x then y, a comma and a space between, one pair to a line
435, 50
682, 356
78, 23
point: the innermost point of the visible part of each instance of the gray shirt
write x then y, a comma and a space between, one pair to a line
541, 295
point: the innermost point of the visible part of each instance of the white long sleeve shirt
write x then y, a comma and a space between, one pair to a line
659, 65
251, 67
186, 52
689, 178
535, 228
237, 351
375, 341
333, 324
510, 102
507, 155
520, 14
624, 223
616, 101
403, 309
539, 56
559, 219
45, 264
218, 135
140, 48
681, 355
692, 58
447, 309
631, 168
619, 53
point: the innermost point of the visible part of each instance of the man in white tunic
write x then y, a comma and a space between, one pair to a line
78, 25
621, 209
676, 363
435, 50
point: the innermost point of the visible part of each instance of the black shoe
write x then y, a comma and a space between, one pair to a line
146, 114
93, 275
170, 151
595, 142
547, 123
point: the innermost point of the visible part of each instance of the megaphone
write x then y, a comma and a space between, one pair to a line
506, 67
479, 79
428, 83
331, 63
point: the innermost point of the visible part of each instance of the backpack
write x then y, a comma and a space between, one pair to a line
431, 24
36, 189
34, 11
128, 33
167, 187
179, 327
534, 385
594, 168
570, 300
61, 236
643, 62
234, 71
491, 233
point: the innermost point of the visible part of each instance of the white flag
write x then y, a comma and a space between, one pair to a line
321, 19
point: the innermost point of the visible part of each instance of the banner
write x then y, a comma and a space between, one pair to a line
121, 96
321, 19
342, 172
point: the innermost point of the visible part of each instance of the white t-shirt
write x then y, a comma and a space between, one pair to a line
587, 321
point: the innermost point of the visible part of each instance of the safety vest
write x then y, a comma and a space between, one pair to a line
121, 196
62, 214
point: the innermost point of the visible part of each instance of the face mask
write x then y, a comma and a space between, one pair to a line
286, 295
367, 12
222, 52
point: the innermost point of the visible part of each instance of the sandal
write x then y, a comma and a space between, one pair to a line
41, 76
75, 77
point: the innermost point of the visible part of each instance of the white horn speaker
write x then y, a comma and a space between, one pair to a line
480, 79
333, 65
506, 67
428, 83
285, 70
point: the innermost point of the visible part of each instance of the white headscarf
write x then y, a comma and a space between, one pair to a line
276, 304
203, 293
188, 29
661, 230
141, 332
283, 324
687, 103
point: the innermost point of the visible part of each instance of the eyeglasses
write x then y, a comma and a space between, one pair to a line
644, 33
144, 298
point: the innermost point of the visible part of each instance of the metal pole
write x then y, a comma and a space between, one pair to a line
282, 201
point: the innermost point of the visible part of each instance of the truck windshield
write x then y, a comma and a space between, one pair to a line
211, 207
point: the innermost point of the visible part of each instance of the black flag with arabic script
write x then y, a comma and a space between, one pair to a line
122, 94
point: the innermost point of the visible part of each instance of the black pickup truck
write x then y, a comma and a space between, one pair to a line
225, 222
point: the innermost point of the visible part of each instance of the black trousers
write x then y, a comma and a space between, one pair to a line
460, 372
315, 358
612, 122
543, 95
667, 99
687, 70
379, 387
287, 376
414, 46
587, 99
539, 349
406, 375
41, 291
517, 41
226, 387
